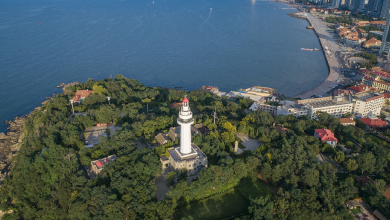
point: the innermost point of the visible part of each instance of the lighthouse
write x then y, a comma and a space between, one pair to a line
188, 155
185, 120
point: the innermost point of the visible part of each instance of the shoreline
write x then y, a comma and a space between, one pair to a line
334, 68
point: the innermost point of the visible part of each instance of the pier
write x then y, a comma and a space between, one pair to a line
326, 40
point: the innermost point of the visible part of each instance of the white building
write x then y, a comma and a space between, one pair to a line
336, 106
291, 108
367, 104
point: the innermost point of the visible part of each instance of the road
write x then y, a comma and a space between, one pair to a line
326, 39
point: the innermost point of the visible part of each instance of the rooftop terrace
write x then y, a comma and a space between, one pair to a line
324, 102
366, 96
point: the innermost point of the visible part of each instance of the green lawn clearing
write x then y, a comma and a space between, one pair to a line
232, 203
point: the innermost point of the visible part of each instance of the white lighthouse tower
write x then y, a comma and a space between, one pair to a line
185, 120
188, 155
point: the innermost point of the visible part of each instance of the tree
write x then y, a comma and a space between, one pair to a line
382, 116
310, 177
266, 171
171, 177
366, 162
349, 144
339, 157
351, 165
261, 208
380, 164
98, 89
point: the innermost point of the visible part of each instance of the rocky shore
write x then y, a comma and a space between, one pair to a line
10, 143
67, 85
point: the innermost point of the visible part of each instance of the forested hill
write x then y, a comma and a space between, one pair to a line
49, 179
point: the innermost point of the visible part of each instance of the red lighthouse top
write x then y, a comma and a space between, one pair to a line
185, 100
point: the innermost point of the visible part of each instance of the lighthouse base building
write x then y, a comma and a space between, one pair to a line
186, 156
194, 162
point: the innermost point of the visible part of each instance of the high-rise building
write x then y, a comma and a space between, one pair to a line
385, 47
370, 5
336, 3
378, 6
358, 5
187, 156
384, 11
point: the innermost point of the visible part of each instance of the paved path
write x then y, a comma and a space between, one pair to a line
249, 143
326, 39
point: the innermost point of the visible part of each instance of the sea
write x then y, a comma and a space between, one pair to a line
230, 44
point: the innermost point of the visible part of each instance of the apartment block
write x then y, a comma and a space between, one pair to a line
336, 106
367, 104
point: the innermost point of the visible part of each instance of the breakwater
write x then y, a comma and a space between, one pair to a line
326, 40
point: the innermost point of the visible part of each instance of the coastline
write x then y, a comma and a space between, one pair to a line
325, 39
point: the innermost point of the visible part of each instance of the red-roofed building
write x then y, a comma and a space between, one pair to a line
387, 191
80, 95
98, 165
176, 105
374, 123
326, 135
359, 88
372, 43
364, 179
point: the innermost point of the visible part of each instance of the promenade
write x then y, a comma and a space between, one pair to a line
326, 39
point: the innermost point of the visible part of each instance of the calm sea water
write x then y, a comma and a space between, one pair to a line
230, 44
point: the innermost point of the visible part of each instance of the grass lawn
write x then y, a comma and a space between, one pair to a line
356, 210
217, 207
377, 140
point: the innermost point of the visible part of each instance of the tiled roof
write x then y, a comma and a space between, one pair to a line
359, 88
387, 191
364, 179
160, 138
99, 164
176, 105
373, 122
346, 121
325, 135
81, 94
375, 97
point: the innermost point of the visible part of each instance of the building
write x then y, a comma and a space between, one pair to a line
336, 106
373, 123
187, 156
360, 23
81, 95
379, 215
336, 3
270, 108
372, 43
347, 121
378, 6
378, 24
162, 139
385, 47
364, 180
367, 103
98, 165
359, 88
326, 135
384, 11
